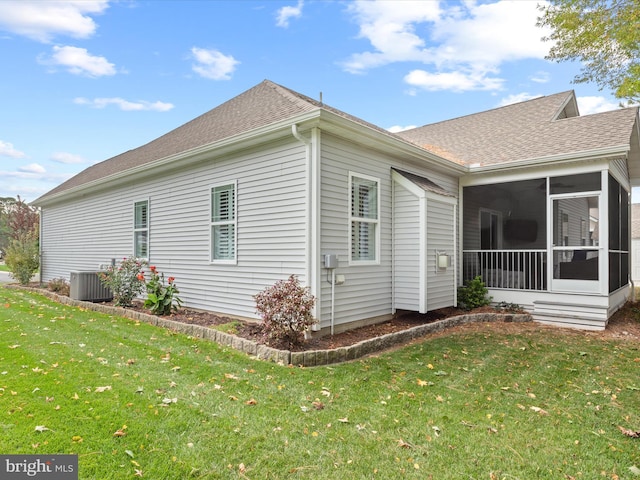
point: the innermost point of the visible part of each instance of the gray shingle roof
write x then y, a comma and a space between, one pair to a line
522, 131
265, 104
424, 183
261, 105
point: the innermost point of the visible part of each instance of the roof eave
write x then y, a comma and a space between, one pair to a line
221, 147
371, 137
595, 154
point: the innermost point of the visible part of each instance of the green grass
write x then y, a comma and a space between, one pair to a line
3, 268
532, 405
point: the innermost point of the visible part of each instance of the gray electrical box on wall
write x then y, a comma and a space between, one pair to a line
330, 261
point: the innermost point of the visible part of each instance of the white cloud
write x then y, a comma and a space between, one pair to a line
125, 105
398, 128
463, 44
33, 168
42, 20
7, 150
79, 62
67, 158
458, 81
589, 105
390, 27
516, 98
540, 77
213, 64
286, 13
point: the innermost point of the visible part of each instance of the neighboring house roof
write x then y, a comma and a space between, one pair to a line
542, 127
635, 220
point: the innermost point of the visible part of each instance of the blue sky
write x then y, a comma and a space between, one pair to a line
84, 80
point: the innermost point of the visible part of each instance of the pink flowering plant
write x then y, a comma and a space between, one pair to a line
286, 310
162, 298
124, 280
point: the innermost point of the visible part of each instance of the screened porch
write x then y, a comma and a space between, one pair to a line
546, 234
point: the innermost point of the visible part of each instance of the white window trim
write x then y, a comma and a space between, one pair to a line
375, 221
234, 260
146, 229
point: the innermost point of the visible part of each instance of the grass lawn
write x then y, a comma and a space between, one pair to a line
3, 268
133, 400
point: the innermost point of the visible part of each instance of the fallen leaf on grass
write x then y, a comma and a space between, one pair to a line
252, 401
635, 470
403, 444
317, 405
41, 428
102, 389
343, 420
120, 432
539, 410
629, 433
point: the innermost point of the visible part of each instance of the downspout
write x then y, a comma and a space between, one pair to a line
311, 242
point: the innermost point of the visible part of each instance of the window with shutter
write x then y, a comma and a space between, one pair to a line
141, 229
364, 218
223, 223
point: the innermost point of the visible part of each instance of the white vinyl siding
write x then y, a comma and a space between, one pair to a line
406, 235
367, 291
441, 283
223, 223
141, 229
270, 214
364, 218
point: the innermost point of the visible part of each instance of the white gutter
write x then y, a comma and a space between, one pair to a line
552, 159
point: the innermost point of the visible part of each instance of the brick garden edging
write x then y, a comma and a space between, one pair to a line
311, 358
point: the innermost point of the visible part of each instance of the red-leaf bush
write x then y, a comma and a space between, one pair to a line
286, 310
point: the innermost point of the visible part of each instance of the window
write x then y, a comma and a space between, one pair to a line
223, 223
141, 229
364, 218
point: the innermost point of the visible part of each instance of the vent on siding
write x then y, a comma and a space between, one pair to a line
86, 286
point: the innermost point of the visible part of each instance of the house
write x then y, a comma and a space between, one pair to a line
635, 243
532, 197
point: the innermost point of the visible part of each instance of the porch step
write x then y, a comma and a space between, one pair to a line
572, 315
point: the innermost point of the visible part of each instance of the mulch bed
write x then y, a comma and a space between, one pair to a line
624, 324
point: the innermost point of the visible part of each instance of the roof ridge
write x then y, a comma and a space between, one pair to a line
484, 112
292, 94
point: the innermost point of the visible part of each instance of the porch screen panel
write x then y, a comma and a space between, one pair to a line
618, 235
573, 239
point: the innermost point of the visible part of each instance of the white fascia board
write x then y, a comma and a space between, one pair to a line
187, 157
368, 136
621, 150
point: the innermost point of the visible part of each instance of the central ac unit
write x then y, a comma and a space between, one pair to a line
87, 286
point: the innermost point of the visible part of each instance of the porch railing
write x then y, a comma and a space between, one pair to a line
514, 269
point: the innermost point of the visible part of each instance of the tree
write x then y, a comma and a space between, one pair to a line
603, 35
23, 219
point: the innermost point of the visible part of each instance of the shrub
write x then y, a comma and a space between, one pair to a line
286, 311
474, 294
124, 281
162, 298
22, 256
59, 285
